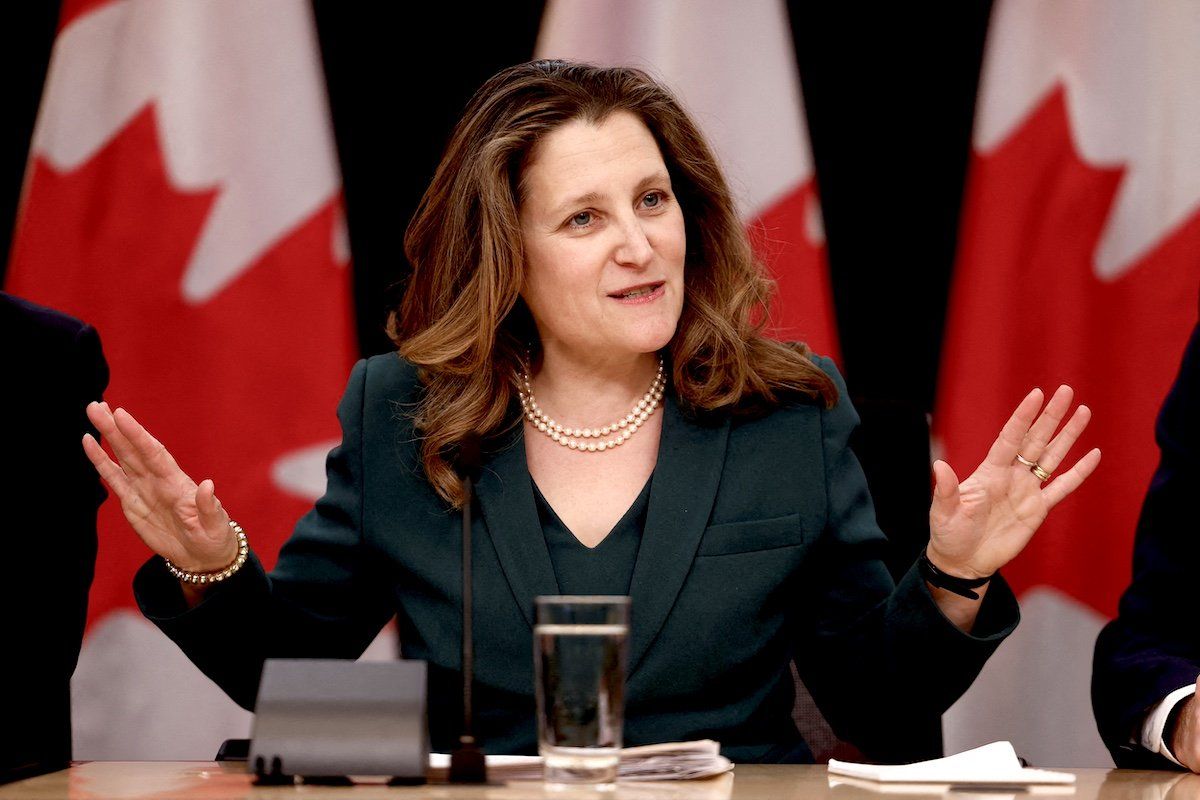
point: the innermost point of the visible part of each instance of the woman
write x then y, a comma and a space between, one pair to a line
584, 296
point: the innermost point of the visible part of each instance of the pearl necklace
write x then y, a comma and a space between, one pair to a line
570, 437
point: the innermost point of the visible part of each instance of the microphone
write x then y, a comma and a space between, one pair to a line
467, 763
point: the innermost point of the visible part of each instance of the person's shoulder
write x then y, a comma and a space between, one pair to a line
797, 416
827, 365
823, 362
55, 358
390, 376
1191, 354
26, 321
792, 404
830, 368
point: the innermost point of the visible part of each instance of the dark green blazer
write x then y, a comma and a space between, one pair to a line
760, 547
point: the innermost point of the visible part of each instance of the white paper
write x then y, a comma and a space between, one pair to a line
671, 761
993, 764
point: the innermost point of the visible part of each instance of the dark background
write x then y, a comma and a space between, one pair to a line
889, 91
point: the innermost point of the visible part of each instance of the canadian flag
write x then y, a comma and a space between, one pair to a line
183, 196
1079, 263
733, 65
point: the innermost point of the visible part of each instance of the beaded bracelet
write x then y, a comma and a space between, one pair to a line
221, 574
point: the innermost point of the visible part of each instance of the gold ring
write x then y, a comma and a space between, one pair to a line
1027, 462
1041, 473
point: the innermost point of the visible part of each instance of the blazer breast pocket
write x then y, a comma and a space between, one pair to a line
751, 536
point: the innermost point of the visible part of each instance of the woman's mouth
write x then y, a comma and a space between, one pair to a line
635, 295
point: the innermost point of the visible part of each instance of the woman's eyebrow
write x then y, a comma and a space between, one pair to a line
592, 197
582, 200
650, 180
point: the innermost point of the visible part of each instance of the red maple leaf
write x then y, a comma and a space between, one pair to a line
229, 385
1027, 309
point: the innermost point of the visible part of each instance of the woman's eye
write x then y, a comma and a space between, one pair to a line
582, 219
652, 199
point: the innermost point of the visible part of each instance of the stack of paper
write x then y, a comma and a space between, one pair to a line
994, 764
672, 761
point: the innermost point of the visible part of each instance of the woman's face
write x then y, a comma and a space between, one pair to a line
604, 239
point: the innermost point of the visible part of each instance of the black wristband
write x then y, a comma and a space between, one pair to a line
964, 587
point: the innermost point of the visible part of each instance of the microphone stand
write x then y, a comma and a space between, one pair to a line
467, 762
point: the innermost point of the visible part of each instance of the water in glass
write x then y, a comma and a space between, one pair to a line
581, 694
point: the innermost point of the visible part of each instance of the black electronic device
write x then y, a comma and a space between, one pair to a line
326, 720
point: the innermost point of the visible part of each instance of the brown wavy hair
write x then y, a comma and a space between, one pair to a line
462, 322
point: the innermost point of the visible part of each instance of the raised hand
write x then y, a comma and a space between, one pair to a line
979, 525
179, 520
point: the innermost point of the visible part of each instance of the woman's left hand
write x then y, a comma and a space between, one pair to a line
979, 525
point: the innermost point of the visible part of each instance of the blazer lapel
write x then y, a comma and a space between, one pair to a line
690, 459
505, 497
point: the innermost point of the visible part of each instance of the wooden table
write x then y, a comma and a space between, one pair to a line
194, 780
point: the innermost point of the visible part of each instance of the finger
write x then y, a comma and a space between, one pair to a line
945, 493
112, 474
94, 408
1004, 450
1060, 445
151, 452
1069, 481
134, 506
212, 515
102, 417
1047, 423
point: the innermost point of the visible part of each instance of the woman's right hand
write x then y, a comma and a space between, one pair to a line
177, 519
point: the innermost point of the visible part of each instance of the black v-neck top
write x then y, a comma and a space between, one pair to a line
606, 568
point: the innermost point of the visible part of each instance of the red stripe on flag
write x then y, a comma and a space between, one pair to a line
803, 306
75, 9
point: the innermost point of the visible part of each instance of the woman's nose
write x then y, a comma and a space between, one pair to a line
634, 248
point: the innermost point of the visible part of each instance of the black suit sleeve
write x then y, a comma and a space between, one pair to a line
91, 373
1152, 647
320, 601
881, 660
55, 367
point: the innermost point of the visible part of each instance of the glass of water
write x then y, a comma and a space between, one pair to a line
579, 647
